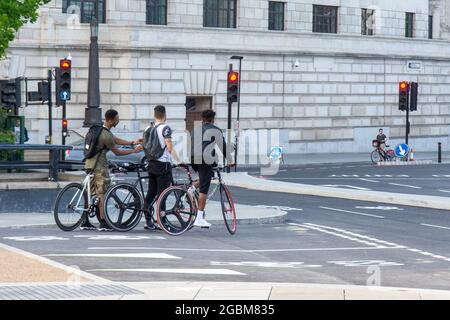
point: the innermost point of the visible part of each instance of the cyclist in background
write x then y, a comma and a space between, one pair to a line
381, 138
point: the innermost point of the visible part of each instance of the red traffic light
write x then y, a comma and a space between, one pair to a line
64, 123
65, 64
233, 77
404, 85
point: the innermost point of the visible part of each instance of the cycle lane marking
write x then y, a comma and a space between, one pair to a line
173, 270
434, 226
116, 255
353, 212
404, 185
239, 250
341, 233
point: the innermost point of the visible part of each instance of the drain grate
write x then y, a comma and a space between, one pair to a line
61, 291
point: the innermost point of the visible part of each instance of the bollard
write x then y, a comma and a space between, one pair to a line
439, 152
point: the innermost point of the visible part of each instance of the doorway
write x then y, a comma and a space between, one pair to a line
195, 105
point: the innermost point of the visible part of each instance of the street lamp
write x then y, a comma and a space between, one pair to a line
93, 112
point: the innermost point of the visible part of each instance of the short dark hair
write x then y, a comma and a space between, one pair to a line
208, 115
111, 114
160, 111
380, 129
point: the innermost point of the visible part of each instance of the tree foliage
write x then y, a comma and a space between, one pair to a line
13, 15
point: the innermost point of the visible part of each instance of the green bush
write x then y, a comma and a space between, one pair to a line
6, 137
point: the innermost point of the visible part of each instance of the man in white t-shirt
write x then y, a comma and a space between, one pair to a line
159, 156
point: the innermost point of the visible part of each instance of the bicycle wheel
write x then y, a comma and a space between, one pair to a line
176, 210
123, 207
228, 211
375, 156
70, 207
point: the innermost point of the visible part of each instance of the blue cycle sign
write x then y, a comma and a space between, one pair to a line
64, 95
401, 150
276, 153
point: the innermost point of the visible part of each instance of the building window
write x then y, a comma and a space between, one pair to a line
430, 27
87, 9
219, 13
276, 15
367, 22
409, 25
325, 19
157, 12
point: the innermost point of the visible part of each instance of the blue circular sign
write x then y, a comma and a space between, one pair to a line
401, 150
64, 95
276, 153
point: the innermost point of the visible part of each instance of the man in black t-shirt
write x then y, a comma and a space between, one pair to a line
381, 137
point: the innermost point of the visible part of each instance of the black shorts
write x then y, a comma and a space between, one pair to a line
205, 174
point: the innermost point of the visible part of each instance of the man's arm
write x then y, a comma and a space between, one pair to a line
123, 142
119, 152
170, 148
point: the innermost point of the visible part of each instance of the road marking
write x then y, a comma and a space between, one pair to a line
265, 264
35, 238
119, 237
404, 185
445, 191
353, 234
397, 246
366, 263
342, 236
237, 250
279, 208
353, 212
384, 208
310, 168
434, 226
344, 186
117, 255
368, 180
185, 271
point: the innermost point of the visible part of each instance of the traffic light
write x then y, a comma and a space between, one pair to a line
11, 98
414, 94
64, 127
232, 86
63, 81
403, 96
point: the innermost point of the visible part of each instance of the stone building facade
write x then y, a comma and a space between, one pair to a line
325, 92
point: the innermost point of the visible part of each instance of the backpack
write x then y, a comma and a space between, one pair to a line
91, 140
152, 145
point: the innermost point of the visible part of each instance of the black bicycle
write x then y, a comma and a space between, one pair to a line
125, 205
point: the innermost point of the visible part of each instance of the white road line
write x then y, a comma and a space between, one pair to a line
344, 186
404, 185
236, 250
445, 191
342, 236
357, 235
185, 271
343, 232
368, 180
434, 226
353, 212
117, 255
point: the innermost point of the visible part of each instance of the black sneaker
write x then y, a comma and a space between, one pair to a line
86, 225
151, 226
104, 226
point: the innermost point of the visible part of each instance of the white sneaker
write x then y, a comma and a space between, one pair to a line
200, 222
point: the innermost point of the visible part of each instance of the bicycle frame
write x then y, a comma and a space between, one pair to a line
86, 185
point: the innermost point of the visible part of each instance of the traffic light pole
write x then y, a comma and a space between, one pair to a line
230, 104
63, 134
50, 105
408, 126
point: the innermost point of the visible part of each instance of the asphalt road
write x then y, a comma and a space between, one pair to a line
433, 179
327, 241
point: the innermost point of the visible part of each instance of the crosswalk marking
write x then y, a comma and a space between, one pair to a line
169, 270
117, 255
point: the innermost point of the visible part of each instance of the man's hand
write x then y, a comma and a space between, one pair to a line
138, 141
138, 149
231, 165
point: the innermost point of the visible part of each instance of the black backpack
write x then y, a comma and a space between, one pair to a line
152, 145
91, 140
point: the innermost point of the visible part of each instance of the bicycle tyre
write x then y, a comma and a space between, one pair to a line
164, 217
228, 210
375, 156
57, 212
112, 201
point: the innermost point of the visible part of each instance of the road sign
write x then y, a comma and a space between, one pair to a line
64, 95
401, 150
276, 153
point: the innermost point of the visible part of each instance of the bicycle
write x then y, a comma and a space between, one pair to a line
227, 204
74, 203
125, 205
380, 154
